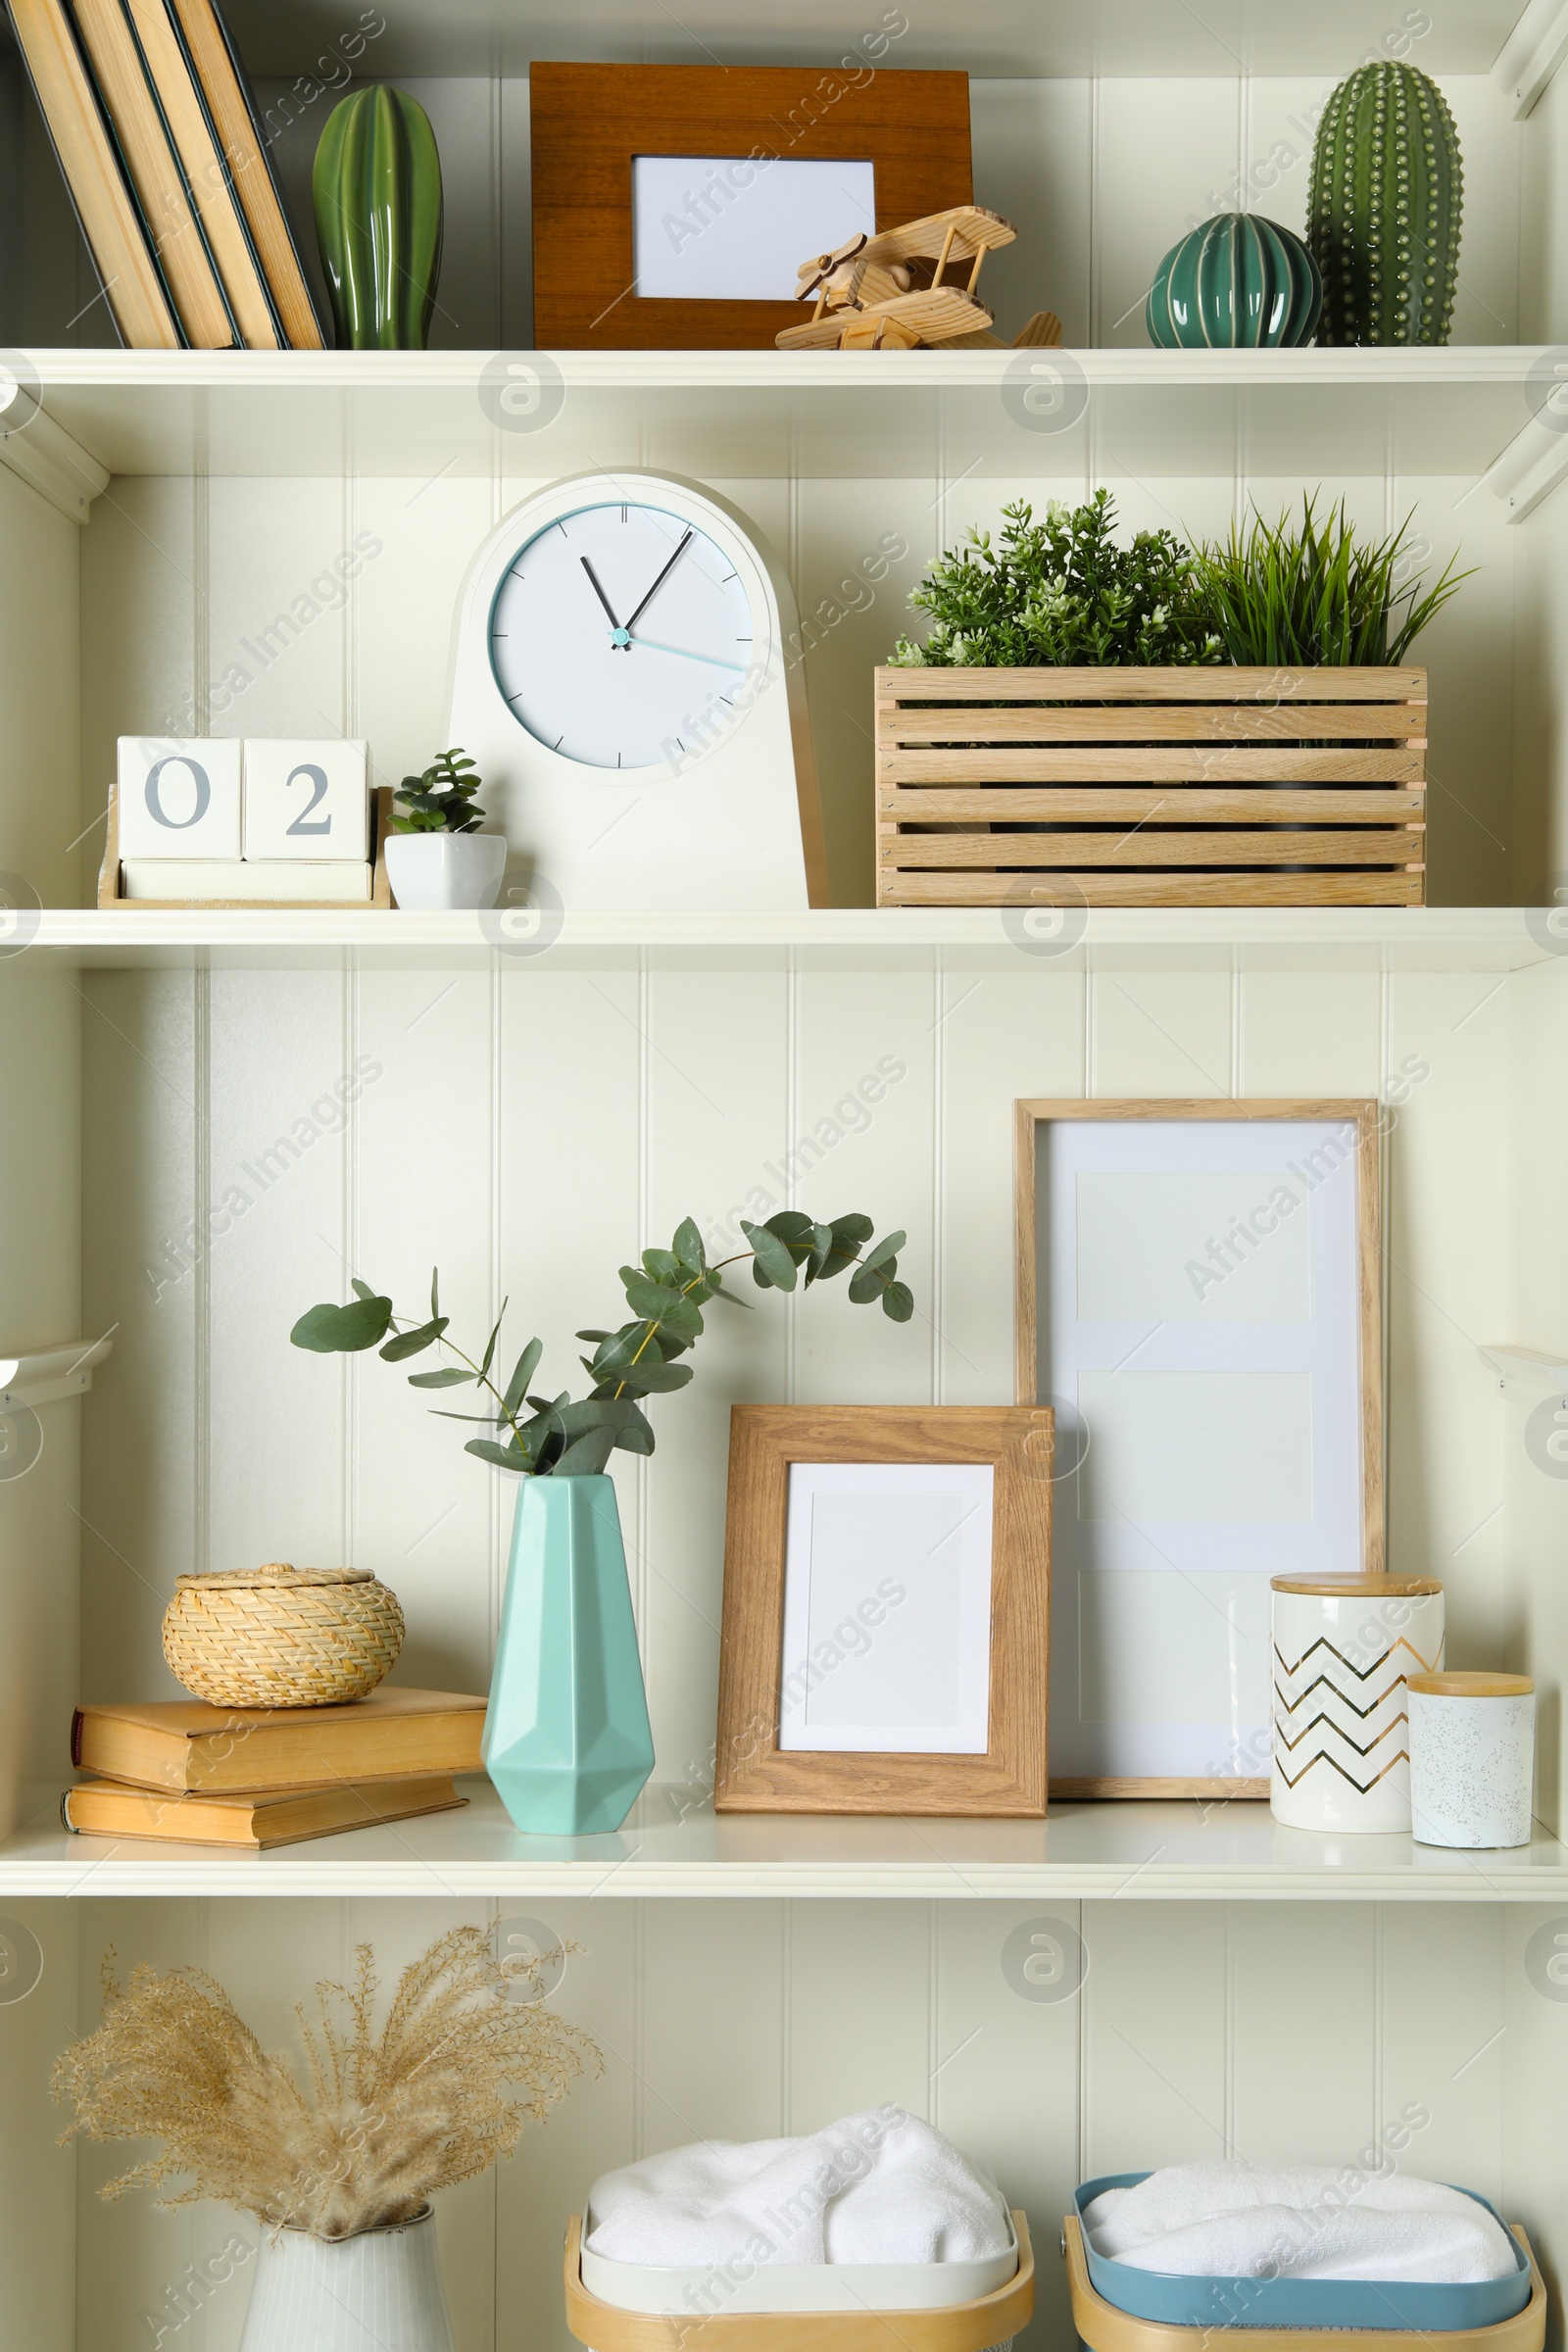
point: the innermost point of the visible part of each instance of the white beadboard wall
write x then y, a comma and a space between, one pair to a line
1272, 2031
180, 577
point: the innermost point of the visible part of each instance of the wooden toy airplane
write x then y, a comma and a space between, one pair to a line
891, 292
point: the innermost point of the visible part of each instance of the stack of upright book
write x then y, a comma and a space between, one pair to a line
251, 1778
170, 169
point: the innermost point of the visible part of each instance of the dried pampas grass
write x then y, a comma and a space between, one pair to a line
386, 2119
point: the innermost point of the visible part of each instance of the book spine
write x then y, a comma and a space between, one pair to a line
156, 102
75, 1737
66, 1821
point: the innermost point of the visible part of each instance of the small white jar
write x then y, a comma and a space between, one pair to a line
1342, 1650
1472, 1758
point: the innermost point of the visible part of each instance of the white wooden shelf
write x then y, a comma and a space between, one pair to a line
674, 1847
1327, 938
720, 415
1006, 38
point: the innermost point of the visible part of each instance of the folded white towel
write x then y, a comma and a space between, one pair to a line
1225, 2220
876, 2187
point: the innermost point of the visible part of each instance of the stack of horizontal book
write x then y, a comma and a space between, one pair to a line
251, 1778
170, 169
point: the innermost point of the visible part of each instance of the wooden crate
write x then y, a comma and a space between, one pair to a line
1220, 787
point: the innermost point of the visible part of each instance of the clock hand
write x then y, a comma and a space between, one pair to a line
715, 661
604, 600
660, 582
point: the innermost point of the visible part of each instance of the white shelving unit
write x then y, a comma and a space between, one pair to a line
173, 1165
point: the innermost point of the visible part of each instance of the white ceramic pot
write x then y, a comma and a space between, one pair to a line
379, 2291
1472, 1758
436, 872
1343, 1647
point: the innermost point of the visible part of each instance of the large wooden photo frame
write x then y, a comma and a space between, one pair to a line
590, 124
1200, 1298
964, 1494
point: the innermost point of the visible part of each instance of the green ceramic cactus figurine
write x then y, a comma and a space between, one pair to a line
376, 182
1383, 217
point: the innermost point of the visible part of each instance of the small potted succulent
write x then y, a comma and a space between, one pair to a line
338, 2171
436, 857
567, 1739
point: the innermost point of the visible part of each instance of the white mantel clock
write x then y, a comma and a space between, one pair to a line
626, 674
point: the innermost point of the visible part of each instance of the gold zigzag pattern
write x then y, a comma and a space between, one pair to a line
1361, 1787
1294, 1745
1323, 1643
1324, 1682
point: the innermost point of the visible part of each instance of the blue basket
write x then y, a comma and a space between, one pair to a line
1179, 2301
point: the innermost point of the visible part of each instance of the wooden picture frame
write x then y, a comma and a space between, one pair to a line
1358, 1464
753, 1772
589, 122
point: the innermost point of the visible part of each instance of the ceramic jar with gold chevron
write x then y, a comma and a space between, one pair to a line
1343, 1649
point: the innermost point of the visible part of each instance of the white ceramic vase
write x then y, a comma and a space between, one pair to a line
433, 873
379, 2291
1472, 1758
1344, 1648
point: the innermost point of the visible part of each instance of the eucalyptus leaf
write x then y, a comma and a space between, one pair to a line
663, 1264
361, 1290
329, 1330
888, 1247
898, 1301
435, 1301
412, 1343
792, 1225
774, 1268
868, 1282
448, 1377
505, 1457
585, 1456
490, 1348
665, 1307
689, 1246
523, 1372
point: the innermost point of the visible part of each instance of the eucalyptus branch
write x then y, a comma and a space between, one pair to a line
565, 1435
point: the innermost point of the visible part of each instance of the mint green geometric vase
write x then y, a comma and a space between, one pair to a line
566, 1740
1238, 282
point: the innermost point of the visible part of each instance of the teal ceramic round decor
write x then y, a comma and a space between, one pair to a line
566, 1740
1238, 282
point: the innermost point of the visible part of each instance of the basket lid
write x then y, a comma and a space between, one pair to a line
273, 1573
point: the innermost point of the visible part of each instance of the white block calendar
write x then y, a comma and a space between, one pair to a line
307, 800
179, 798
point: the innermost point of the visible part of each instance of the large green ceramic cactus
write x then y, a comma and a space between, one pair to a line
1383, 219
378, 189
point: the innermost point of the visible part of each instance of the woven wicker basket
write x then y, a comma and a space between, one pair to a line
281, 1636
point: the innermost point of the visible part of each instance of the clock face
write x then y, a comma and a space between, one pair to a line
617, 635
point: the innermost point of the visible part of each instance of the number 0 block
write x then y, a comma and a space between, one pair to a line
307, 800
179, 798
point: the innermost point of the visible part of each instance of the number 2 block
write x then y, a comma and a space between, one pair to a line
307, 800
179, 798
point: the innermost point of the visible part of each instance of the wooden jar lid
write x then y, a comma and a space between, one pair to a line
1334, 1588
1465, 1684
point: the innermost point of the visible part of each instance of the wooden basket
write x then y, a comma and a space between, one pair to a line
960, 2327
1222, 787
281, 1636
1104, 2328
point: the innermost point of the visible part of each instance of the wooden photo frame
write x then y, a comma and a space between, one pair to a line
823, 1501
590, 125
1199, 1296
